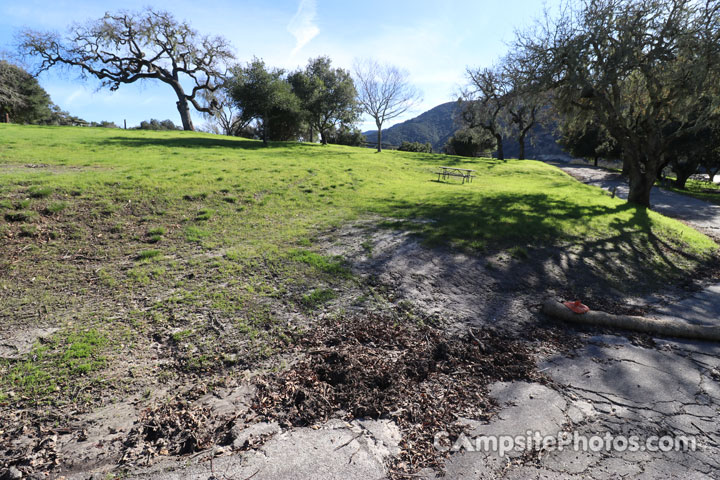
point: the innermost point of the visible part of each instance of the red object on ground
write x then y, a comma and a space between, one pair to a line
577, 307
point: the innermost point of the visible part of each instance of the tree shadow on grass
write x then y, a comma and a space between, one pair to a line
627, 253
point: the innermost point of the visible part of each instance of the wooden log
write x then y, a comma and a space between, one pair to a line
656, 326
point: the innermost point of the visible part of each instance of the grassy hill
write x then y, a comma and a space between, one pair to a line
161, 258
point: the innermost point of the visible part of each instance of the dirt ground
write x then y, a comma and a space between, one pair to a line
424, 340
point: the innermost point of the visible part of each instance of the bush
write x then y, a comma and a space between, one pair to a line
469, 143
347, 136
154, 124
415, 147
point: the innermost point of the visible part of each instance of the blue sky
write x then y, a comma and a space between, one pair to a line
434, 41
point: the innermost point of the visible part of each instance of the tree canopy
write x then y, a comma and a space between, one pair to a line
22, 99
635, 67
327, 95
264, 94
126, 47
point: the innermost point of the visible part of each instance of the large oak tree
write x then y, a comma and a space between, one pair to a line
127, 47
644, 70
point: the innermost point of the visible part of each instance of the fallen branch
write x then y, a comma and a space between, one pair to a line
670, 328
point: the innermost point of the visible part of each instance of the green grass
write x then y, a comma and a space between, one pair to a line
148, 254
318, 297
39, 192
510, 203
240, 228
55, 208
19, 216
56, 364
710, 192
333, 266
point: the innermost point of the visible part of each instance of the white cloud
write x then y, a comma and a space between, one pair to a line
302, 26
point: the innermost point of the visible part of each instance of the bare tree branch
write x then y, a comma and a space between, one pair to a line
384, 92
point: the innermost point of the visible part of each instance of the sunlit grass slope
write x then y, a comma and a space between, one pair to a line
229, 192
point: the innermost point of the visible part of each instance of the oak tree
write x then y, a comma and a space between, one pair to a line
635, 67
127, 47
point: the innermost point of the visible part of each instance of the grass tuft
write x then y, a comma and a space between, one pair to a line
318, 297
55, 207
204, 214
39, 192
148, 254
21, 216
331, 265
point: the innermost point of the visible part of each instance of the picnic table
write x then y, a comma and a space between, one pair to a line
465, 173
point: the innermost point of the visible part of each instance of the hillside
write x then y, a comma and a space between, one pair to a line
161, 292
437, 125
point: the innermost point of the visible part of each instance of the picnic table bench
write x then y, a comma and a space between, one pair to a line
465, 173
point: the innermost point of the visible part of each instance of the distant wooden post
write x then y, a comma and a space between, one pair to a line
125, 123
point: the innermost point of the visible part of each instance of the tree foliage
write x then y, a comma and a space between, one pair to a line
327, 95
127, 47
633, 66
346, 135
225, 118
154, 124
483, 103
415, 147
22, 99
264, 95
470, 143
587, 139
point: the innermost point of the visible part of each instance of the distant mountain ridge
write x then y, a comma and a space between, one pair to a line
437, 125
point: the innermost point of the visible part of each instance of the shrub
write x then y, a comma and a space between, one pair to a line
415, 147
470, 143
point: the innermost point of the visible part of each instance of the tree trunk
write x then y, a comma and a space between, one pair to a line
379, 145
500, 152
323, 137
521, 141
626, 167
641, 184
265, 130
681, 181
595, 161
644, 168
184, 109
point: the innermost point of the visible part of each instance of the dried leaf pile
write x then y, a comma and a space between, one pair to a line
175, 428
381, 367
